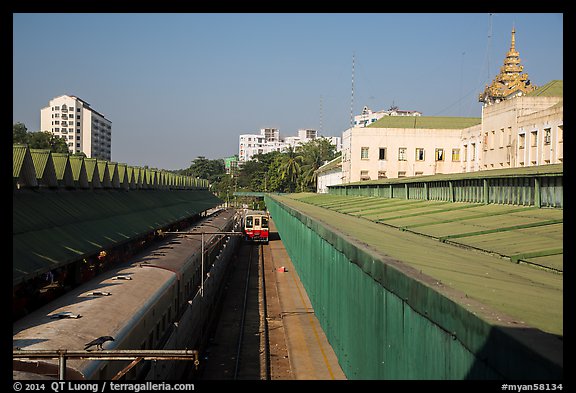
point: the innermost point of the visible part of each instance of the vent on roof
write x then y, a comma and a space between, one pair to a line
121, 277
98, 293
65, 315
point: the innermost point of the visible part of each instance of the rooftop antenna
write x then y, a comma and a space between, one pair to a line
321, 115
352, 95
461, 82
489, 44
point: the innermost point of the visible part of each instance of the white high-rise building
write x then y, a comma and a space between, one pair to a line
269, 140
85, 129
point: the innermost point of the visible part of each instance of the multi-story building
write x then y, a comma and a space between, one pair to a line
401, 147
269, 140
85, 130
521, 125
368, 117
231, 165
249, 146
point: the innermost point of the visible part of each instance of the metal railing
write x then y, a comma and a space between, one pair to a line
115, 354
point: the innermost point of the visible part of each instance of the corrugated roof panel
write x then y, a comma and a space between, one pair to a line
53, 228
18, 152
60, 163
40, 159
91, 169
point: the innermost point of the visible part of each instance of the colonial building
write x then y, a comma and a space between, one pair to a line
521, 125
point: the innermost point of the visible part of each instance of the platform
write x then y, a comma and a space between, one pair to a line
310, 355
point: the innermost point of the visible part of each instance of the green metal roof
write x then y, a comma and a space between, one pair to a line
539, 170
60, 162
532, 295
437, 122
335, 163
18, 153
554, 88
52, 228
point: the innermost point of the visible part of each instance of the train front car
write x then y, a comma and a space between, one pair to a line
255, 226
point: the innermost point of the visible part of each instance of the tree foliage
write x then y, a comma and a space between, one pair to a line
39, 139
289, 171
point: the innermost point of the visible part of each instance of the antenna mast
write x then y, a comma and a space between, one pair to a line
352, 95
489, 45
321, 115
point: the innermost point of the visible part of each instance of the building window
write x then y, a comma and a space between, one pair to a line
534, 138
77, 109
455, 154
521, 141
402, 154
418, 173
492, 139
78, 138
485, 141
78, 130
77, 145
364, 175
419, 154
402, 174
439, 154
381, 174
465, 153
473, 152
364, 153
547, 136
382, 153
501, 144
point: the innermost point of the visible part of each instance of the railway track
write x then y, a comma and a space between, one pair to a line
239, 346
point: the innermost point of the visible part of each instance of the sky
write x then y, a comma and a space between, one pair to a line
177, 86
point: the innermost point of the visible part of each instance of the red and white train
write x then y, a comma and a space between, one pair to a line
255, 225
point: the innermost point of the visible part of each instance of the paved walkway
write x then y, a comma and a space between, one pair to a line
309, 352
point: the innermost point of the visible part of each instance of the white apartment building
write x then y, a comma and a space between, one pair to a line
269, 140
84, 129
368, 117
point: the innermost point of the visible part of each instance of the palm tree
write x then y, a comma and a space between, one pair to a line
290, 168
308, 176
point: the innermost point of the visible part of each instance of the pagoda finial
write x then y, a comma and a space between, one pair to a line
513, 44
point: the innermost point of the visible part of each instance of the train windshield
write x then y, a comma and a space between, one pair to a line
264, 222
249, 222
257, 221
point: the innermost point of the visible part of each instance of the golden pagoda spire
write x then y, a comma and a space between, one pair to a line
510, 82
513, 44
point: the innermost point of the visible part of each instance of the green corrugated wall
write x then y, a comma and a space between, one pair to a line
383, 324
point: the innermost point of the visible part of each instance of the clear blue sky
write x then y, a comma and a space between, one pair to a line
179, 86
